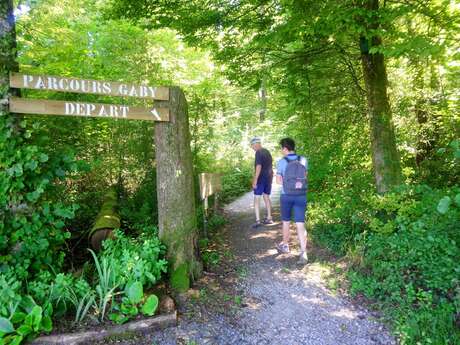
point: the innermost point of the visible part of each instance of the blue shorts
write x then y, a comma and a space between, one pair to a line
298, 203
264, 185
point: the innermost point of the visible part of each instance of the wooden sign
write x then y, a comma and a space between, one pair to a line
209, 184
98, 87
42, 107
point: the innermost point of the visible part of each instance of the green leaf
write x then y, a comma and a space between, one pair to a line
24, 330
43, 157
118, 318
135, 292
129, 309
47, 324
18, 317
457, 154
6, 326
17, 340
59, 172
28, 303
36, 314
18, 169
32, 165
457, 199
150, 306
443, 205
63, 212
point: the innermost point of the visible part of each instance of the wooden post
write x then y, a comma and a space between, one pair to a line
176, 197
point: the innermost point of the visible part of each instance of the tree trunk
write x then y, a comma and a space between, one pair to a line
263, 100
176, 196
8, 52
385, 157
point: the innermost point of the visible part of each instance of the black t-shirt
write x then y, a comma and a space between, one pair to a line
264, 158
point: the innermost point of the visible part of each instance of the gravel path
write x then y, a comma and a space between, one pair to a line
257, 296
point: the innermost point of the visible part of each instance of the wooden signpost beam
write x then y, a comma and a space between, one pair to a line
210, 184
176, 196
88, 86
85, 109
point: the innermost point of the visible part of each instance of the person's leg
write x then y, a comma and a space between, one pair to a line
257, 195
257, 207
300, 205
266, 195
268, 206
286, 209
302, 234
286, 232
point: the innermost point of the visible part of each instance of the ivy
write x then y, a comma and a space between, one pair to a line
32, 223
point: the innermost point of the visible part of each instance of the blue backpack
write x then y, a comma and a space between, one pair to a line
294, 179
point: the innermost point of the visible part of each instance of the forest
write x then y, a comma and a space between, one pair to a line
369, 89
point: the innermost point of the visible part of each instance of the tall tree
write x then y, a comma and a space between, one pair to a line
385, 157
176, 214
310, 51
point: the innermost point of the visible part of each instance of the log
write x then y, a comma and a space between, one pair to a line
137, 327
106, 220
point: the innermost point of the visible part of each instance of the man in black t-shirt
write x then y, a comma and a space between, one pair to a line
262, 181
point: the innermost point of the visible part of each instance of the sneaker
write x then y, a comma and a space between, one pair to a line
256, 224
303, 258
282, 248
267, 221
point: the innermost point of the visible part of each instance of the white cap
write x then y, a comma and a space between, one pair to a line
255, 140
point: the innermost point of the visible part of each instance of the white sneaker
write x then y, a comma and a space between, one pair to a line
282, 248
303, 258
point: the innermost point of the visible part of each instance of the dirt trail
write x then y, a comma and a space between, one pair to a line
256, 296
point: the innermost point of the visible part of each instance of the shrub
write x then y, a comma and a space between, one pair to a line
408, 246
236, 182
32, 225
136, 259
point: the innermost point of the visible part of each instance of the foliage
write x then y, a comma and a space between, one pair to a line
132, 300
32, 226
405, 247
140, 259
21, 318
236, 182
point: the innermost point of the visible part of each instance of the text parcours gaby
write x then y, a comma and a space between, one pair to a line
108, 88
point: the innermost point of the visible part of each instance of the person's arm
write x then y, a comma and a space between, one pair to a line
256, 175
279, 179
279, 172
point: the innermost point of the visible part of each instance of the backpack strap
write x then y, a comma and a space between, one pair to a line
287, 160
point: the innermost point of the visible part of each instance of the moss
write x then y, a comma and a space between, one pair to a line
108, 205
179, 279
106, 221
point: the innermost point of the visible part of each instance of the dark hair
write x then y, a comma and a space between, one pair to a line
288, 143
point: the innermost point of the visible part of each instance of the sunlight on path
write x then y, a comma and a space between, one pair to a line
291, 304
281, 303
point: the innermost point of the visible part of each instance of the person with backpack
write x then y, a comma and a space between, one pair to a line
292, 172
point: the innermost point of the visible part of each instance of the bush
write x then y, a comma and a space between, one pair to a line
136, 259
408, 247
32, 223
236, 182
